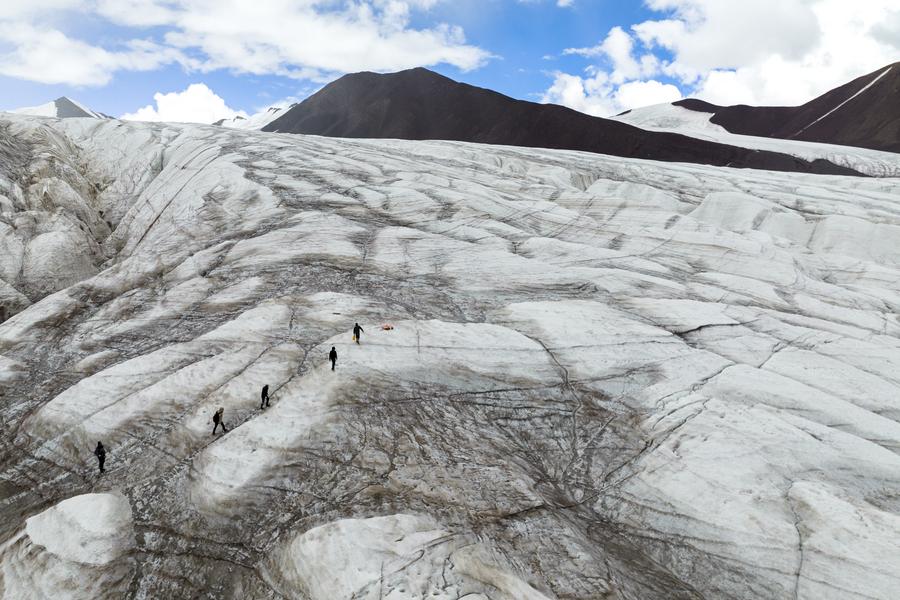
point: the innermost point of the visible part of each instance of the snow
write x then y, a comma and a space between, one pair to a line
92, 529
676, 119
606, 378
393, 557
43, 110
256, 121
60, 108
76, 549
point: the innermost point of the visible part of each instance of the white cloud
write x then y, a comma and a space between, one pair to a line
49, 56
734, 51
591, 95
14, 9
709, 34
312, 39
606, 92
559, 3
600, 96
635, 94
769, 51
618, 47
888, 30
196, 104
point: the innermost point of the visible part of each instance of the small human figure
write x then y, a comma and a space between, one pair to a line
218, 419
356, 331
264, 397
100, 453
332, 356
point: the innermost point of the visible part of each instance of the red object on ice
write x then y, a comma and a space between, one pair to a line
387, 327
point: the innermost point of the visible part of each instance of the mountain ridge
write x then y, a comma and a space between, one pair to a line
864, 112
61, 108
418, 104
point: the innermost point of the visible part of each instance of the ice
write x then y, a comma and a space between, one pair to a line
256, 121
393, 557
92, 529
432, 353
78, 548
581, 376
859, 541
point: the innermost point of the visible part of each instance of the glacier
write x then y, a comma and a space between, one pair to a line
606, 377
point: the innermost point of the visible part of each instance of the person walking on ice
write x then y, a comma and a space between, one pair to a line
264, 397
218, 419
356, 331
332, 356
100, 453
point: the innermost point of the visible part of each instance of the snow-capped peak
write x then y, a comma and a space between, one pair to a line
61, 108
256, 121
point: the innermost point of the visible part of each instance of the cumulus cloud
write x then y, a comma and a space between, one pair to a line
49, 56
591, 95
708, 34
600, 96
312, 39
196, 104
618, 47
733, 51
625, 84
645, 93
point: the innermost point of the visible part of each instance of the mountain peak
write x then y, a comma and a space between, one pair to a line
61, 108
419, 104
862, 113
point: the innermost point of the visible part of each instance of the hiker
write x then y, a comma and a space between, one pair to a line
100, 453
218, 419
264, 397
332, 356
356, 331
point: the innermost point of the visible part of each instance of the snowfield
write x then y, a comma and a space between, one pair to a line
696, 124
606, 377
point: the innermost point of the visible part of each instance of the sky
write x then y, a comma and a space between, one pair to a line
203, 60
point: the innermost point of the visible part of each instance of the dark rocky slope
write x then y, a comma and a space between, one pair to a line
864, 112
419, 104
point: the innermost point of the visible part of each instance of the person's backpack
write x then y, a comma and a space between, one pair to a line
215, 417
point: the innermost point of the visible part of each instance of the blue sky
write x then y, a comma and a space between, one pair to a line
599, 56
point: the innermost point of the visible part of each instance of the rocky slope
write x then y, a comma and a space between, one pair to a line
607, 377
864, 112
419, 104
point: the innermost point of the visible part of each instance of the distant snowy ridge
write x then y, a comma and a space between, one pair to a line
61, 108
254, 122
697, 124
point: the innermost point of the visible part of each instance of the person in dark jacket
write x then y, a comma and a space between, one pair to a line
218, 419
332, 356
357, 330
264, 397
100, 453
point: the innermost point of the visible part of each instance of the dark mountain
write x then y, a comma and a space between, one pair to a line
864, 113
419, 104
